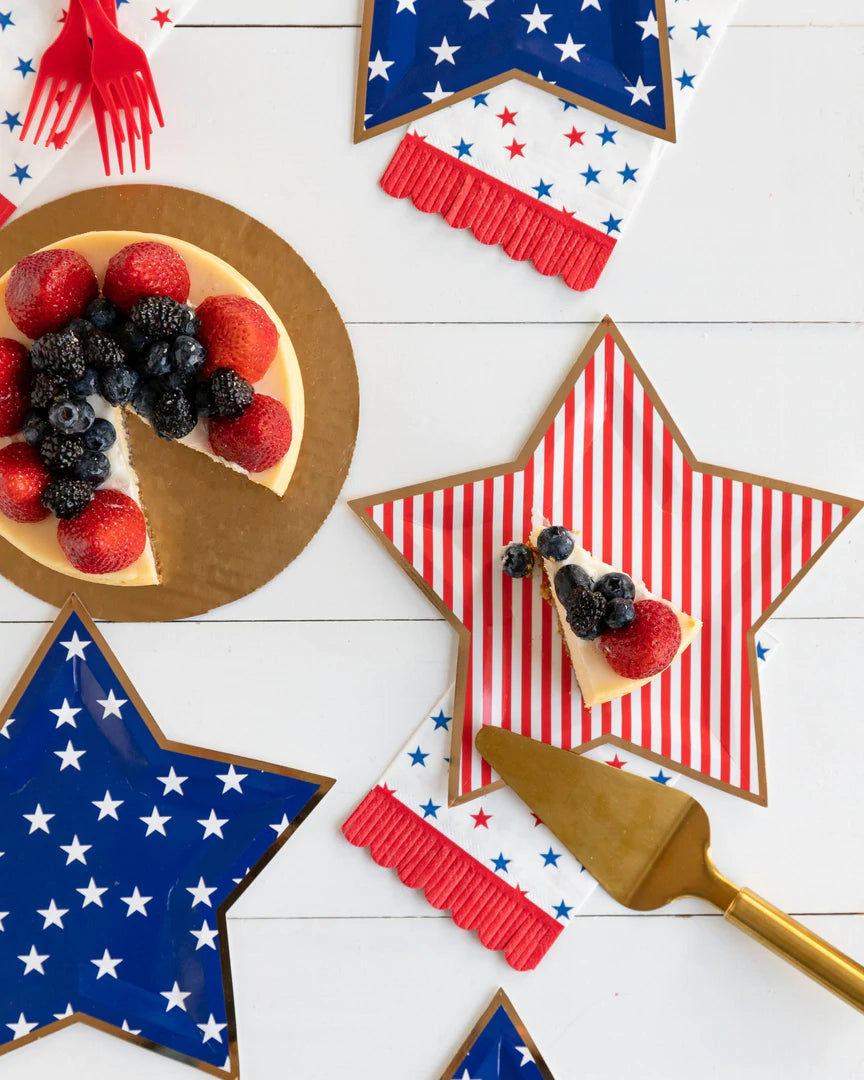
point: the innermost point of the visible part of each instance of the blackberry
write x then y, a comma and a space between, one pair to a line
555, 543
86, 386
187, 355
92, 467
67, 498
101, 313
101, 435
118, 384
585, 610
174, 415
37, 356
620, 612
81, 328
71, 417
145, 398
156, 361
61, 453
231, 395
517, 560
61, 354
45, 389
36, 427
159, 316
130, 339
102, 353
567, 577
616, 585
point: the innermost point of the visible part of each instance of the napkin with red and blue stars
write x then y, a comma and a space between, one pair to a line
537, 126
27, 28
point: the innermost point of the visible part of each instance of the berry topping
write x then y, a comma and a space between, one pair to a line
45, 388
23, 479
647, 645
146, 396
173, 414
36, 427
157, 361
237, 333
230, 396
81, 328
48, 289
192, 324
101, 313
620, 612
555, 543
616, 584
61, 354
70, 417
159, 316
109, 536
14, 385
517, 560
118, 384
101, 352
86, 386
567, 577
585, 610
92, 467
67, 498
187, 355
130, 338
101, 435
144, 269
256, 440
60, 453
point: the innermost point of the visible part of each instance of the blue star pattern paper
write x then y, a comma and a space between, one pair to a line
499, 1048
27, 28
609, 54
121, 853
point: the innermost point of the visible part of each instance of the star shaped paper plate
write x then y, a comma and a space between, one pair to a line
122, 852
498, 1048
608, 461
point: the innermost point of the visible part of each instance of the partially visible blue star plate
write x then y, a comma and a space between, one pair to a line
611, 56
121, 854
498, 1048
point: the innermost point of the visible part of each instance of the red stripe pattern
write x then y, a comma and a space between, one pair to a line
496, 213
718, 548
452, 879
7, 209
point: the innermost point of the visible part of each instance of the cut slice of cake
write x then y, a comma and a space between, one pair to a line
619, 636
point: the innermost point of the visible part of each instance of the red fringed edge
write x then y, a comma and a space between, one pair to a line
497, 213
451, 878
7, 209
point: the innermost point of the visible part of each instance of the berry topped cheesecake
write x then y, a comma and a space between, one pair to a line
106, 322
619, 635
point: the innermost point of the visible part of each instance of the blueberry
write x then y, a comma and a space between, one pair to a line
157, 361
567, 577
101, 313
203, 399
517, 560
87, 385
36, 427
92, 467
70, 417
101, 435
620, 612
81, 328
188, 355
146, 396
118, 384
555, 543
130, 338
615, 585
192, 324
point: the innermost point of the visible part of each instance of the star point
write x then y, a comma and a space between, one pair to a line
52, 915
205, 936
172, 782
231, 780
213, 825
445, 52
155, 822
33, 961
569, 49
65, 714
75, 851
136, 903
212, 1030
112, 705
378, 67
639, 92
106, 965
75, 646
537, 20
69, 758
175, 997
107, 807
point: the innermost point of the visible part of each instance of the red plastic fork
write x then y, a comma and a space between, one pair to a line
65, 71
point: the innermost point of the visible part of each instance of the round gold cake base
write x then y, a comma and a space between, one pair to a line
217, 536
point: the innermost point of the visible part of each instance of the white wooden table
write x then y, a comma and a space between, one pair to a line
741, 289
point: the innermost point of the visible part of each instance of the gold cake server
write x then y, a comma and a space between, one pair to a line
648, 845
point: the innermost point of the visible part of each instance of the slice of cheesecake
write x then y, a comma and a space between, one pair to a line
619, 636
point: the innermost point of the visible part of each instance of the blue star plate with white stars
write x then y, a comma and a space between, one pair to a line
121, 853
417, 56
498, 1048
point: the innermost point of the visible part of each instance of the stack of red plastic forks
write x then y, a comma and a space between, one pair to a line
91, 58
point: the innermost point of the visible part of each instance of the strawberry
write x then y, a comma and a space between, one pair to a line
257, 439
14, 385
110, 534
23, 479
647, 645
145, 269
47, 289
237, 333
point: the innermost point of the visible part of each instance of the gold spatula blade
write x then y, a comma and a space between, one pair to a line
648, 844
